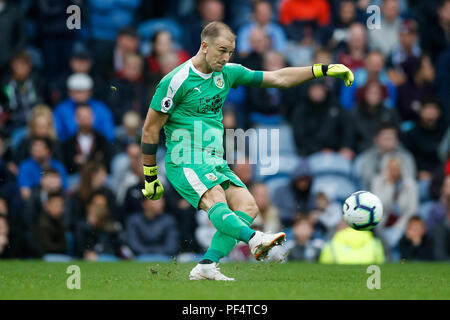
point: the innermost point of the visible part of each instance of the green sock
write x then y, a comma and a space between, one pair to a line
226, 221
222, 244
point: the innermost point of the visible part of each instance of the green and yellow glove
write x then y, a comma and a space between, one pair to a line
153, 187
338, 71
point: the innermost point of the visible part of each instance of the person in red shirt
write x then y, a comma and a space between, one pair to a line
305, 10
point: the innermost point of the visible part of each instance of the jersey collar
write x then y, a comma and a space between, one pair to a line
201, 74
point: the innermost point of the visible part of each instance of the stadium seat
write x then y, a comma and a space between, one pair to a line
287, 163
274, 184
356, 172
330, 164
53, 257
423, 187
336, 186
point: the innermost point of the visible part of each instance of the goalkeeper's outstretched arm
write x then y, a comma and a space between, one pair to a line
293, 76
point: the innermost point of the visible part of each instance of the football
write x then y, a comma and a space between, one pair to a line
362, 210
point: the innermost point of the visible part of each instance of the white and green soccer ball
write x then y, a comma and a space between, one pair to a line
362, 210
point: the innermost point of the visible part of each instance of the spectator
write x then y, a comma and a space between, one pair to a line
440, 209
97, 237
130, 91
386, 144
320, 123
80, 92
369, 114
80, 62
339, 32
152, 232
30, 170
23, 90
374, 70
14, 241
423, 140
51, 182
399, 195
419, 85
162, 44
300, 50
386, 38
441, 243
49, 231
14, 32
270, 105
296, 196
353, 52
53, 36
40, 125
263, 18
326, 215
415, 243
443, 81
305, 10
349, 246
131, 180
92, 183
435, 35
407, 47
129, 132
268, 219
87, 144
260, 43
306, 245
108, 22
4, 229
206, 11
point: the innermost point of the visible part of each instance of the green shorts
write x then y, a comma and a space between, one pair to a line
193, 180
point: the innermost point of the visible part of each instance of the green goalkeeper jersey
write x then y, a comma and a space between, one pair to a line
194, 102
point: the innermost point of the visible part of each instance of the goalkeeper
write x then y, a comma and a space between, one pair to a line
188, 101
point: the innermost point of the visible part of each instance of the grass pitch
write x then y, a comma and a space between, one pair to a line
255, 281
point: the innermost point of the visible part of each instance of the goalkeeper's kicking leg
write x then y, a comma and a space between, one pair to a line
232, 226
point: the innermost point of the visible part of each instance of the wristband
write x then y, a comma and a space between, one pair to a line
150, 171
319, 70
149, 148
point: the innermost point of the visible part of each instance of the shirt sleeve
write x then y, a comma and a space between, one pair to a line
240, 75
166, 96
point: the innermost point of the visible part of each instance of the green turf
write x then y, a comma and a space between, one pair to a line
131, 280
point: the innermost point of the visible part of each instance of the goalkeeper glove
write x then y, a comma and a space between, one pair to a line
153, 189
338, 71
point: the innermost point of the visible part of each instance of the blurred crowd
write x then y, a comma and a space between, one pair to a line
72, 104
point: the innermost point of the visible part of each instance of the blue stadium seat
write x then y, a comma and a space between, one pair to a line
423, 187
274, 184
336, 186
356, 173
287, 162
322, 163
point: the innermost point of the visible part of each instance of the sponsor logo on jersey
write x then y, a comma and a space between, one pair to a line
211, 105
211, 176
218, 80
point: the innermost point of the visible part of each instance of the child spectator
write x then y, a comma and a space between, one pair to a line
49, 231
306, 246
415, 243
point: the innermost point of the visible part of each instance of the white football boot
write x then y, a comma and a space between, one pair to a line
261, 243
208, 272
